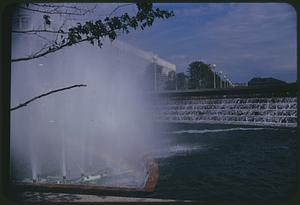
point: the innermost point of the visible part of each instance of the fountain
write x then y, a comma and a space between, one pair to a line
260, 110
95, 136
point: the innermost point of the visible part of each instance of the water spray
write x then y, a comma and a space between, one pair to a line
82, 176
64, 179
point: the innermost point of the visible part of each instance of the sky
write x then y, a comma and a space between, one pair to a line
244, 40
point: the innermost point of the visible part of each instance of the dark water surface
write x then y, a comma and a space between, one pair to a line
227, 163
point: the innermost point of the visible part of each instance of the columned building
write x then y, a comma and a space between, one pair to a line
157, 71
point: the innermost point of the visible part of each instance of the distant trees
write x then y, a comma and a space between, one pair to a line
200, 75
265, 81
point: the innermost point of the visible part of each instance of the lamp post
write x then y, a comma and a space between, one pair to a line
200, 83
225, 78
228, 82
220, 78
213, 66
175, 82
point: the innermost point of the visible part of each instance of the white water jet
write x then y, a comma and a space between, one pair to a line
64, 167
105, 126
33, 168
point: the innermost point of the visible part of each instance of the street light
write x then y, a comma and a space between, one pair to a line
200, 83
213, 66
220, 79
227, 82
225, 79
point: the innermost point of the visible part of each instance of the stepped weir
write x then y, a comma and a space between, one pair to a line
262, 106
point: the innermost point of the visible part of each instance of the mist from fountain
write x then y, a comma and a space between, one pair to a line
82, 131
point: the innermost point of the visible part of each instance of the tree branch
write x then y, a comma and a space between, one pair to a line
47, 51
55, 11
93, 31
45, 94
118, 7
63, 6
39, 31
53, 49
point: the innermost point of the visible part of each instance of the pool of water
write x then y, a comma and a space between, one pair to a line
207, 162
226, 163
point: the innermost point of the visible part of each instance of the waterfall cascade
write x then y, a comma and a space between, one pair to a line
265, 111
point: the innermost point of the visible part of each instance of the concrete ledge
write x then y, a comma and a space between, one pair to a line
269, 90
63, 197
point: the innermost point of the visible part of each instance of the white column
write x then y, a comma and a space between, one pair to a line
221, 75
214, 79
213, 70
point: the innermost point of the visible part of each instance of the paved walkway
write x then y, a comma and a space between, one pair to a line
63, 197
